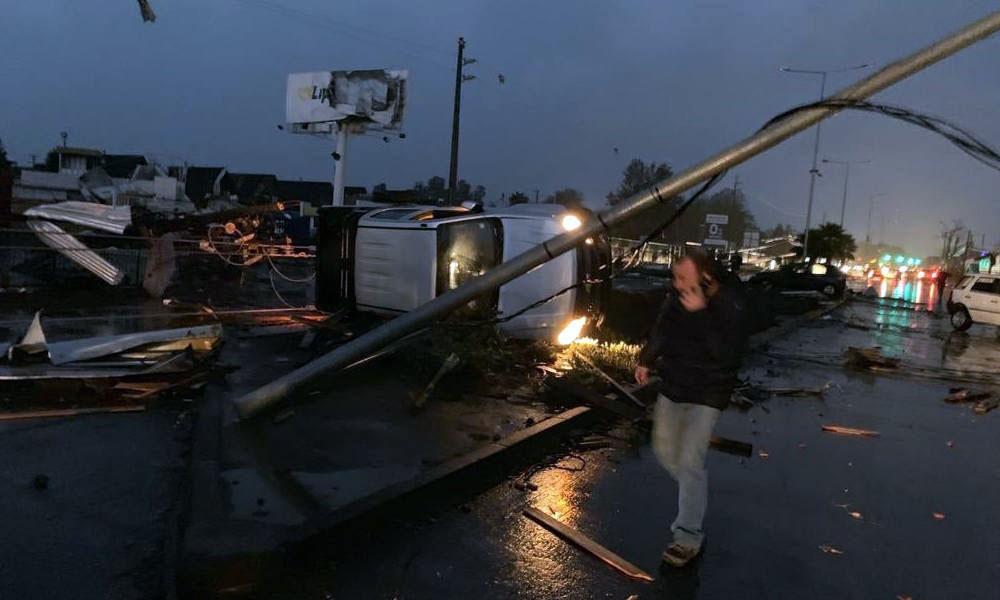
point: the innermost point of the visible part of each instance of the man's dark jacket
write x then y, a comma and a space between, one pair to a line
698, 354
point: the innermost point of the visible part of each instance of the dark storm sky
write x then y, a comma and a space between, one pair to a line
661, 80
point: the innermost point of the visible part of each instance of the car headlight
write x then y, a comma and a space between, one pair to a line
571, 331
571, 222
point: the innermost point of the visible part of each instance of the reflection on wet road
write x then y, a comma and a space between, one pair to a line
922, 293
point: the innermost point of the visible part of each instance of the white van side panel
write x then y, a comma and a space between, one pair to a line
395, 269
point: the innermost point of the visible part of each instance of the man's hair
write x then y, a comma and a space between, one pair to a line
705, 264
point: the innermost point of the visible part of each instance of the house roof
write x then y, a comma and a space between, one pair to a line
123, 165
408, 196
77, 151
253, 185
317, 193
199, 182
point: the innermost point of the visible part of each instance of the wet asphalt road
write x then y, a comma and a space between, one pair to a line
873, 500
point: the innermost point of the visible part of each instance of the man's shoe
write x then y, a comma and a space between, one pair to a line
677, 555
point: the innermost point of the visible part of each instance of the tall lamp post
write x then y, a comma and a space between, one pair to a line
847, 175
814, 171
871, 205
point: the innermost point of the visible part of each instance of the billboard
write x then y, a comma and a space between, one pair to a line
315, 102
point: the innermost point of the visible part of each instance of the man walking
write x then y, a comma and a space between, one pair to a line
696, 346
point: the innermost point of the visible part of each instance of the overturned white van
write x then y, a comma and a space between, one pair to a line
391, 260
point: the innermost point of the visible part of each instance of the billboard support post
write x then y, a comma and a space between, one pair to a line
340, 164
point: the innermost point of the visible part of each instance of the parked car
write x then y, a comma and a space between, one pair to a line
975, 299
388, 261
802, 277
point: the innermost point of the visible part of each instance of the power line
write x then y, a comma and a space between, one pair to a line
359, 33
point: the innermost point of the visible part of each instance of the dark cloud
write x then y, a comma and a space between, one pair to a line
670, 81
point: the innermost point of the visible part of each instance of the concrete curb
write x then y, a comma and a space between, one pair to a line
214, 559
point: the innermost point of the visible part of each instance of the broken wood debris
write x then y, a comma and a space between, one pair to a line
729, 446
869, 358
567, 533
840, 430
69, 412
984, 406
983, 402
621, 389
595, 399
448, 366
957, 395
792, 391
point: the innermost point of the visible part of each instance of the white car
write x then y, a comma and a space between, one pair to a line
391, 260
975, 299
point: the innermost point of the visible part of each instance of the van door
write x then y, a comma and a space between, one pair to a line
983, 300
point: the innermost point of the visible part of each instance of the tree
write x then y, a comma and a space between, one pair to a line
517, 198
436, 184
463, 191
638, 176
3, 155
568, 197
953, 244
479, 194
778, 231
831, 242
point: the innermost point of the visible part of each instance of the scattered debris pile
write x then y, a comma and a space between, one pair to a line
982, 402
113, 373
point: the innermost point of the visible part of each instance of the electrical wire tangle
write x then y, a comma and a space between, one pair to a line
960, 137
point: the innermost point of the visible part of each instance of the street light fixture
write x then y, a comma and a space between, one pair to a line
847, 174
813, 172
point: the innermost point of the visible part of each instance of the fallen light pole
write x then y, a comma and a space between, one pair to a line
270, 394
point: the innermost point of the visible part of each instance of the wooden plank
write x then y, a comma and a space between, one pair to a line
850, 431
577, 538
140, 386
199, 376
597, 400
621, 389
984, 406
729, 446
69, 412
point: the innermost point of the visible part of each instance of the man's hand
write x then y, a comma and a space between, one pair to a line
693, 298
642, 375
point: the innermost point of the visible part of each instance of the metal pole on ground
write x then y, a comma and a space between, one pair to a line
658, 193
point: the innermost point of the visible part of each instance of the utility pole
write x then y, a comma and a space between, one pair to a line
847, 176
460, 78
871, 205
814, 171
536, 196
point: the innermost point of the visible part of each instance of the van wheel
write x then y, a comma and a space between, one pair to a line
960, 319
829, 290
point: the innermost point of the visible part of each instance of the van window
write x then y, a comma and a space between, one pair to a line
985, 284
466, 250
818, 269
